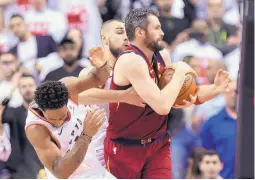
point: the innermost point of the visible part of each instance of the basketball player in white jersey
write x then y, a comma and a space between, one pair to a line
60, 130
114, 40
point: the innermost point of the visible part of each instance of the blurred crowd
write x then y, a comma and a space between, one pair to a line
49, 39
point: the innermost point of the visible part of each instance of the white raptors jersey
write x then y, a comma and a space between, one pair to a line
66, 136
98, 139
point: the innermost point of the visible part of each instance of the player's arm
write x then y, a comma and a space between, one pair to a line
96, 77
102, 96
137, 73
221, 84
50, 156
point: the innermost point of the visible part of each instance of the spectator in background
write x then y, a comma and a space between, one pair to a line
232, 61
77, 37
198, 44
30, 47
43, 21
210, 108
219, 133
192, 170
183, 142
5, 38
170, 24
69, 55
30, 164
10, 66
210, 165
219, 31
83, 15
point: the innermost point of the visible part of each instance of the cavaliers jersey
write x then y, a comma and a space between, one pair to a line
65, 137
133, 122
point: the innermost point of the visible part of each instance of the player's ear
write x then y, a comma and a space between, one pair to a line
139, 31
104, 40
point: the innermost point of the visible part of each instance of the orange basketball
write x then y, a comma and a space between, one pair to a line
189, 86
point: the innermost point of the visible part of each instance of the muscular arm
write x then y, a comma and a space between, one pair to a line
96, 77
101, 96
137, 73
49, 153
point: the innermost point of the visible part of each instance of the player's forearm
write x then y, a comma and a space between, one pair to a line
164, 99
101, 96
172, 89
101, 74
64, 167
207, 92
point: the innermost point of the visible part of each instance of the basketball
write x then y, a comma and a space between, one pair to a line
189, 86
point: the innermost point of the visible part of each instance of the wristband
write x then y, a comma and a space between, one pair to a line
86, 137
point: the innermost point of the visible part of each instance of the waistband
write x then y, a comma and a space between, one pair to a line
139, 142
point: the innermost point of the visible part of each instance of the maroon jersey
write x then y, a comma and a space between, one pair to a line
133, 122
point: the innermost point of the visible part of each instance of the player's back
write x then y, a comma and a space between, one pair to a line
133, 122
66, 136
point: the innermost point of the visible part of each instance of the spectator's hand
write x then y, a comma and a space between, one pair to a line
182, 37
222, 81
38, 68
96, 56
131, 97
188, 103
94, 119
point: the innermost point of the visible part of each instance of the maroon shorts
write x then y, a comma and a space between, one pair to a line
152, 161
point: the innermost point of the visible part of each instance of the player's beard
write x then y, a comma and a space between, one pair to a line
70, 62
153, 45
115, 51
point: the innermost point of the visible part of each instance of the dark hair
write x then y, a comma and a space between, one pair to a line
17, 16
27, 75
210, 152
80, 56
137, 18
66, 41
51, 95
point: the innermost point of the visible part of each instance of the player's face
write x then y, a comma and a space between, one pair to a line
69, 54
9, 65
118, 40
18, 27
210, 166
154, 34
56, 117
27, 88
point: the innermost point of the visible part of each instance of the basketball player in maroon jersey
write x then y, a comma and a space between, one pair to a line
136, 144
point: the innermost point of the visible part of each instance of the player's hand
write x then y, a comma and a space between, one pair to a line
96, 56
94, 119
222, 81
184, 68
131, 97
188, 103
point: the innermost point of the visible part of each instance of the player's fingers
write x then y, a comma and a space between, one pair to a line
99, 123
98, 113
192, 99
186, 102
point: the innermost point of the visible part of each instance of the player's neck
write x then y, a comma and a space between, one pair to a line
148, 53
110, 58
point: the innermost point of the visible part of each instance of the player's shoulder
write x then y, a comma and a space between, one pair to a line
131, 60
37, 133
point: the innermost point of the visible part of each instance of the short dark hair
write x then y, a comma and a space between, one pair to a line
66, 41
210, 152
51, 95
17, 16
27, 75
137, 18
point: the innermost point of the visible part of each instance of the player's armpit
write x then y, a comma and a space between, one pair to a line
50, 156
137, 73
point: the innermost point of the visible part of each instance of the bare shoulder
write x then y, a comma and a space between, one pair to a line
37, 134
131, 61
166, 56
